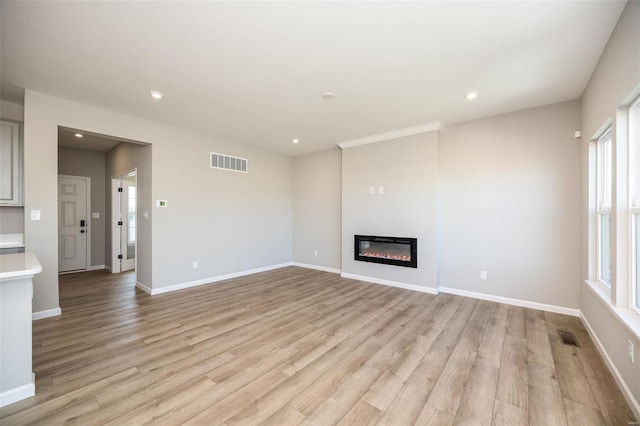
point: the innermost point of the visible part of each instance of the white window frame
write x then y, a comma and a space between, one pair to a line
634, 198
604, 191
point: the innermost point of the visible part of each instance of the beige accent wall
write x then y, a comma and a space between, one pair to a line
407, 169
228, 222
317, 208
76, 162
614, 82
509, 204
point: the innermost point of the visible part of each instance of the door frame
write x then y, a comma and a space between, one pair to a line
89, 226
115, 229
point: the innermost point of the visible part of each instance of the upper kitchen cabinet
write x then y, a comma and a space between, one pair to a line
10, 163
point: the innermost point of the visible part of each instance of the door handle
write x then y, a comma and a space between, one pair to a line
82, 231
82, 222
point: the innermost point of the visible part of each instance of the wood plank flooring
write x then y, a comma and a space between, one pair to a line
296, 346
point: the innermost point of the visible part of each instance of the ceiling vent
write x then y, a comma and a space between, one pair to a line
227, 162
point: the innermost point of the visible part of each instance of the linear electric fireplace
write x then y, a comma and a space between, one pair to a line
389, 250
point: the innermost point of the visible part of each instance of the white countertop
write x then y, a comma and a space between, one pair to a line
11, 240
19, 265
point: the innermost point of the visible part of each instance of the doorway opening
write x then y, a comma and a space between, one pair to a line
124, 204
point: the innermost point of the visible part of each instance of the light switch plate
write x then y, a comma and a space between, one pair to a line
161, 203
95, 215
35, 214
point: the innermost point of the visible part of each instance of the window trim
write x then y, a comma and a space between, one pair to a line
633, 116
604, 193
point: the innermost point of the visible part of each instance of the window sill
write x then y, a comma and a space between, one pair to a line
629, 318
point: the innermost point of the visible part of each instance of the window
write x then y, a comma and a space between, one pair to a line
603, 197
634, 200
131, 213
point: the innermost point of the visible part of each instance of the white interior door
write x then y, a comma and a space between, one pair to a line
128, 228
73, 226
124, 209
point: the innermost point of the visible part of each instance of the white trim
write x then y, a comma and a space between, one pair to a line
46, 314
143, 288
627, 317
115, 230
389, 283
317, 267
90, 268
18, 394
394, 134
515, 302
107, 268
211, 280
95, 267
612, 368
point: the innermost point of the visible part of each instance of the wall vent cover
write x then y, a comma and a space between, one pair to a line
227, 162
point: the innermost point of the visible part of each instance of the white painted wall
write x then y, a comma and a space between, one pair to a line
211, 216
407, 168
615, 78
509, 204
317, 208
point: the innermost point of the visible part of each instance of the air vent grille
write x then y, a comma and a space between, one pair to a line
568, 338
227, 162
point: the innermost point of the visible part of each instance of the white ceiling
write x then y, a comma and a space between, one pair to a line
254, 72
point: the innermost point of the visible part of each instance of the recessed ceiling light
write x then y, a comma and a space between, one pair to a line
327, 95
79, 135
296, 141
471, 95
156, 95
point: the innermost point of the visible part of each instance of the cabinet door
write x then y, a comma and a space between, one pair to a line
10, 164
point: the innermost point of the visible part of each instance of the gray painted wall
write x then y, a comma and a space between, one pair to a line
615, 79
509, 204
407, 168
317, 181
228, 222
123, 158
76, 162
11, 217
11, 220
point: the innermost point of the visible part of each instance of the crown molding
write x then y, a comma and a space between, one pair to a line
394, 134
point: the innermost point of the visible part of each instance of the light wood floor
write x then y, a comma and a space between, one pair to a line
297, 346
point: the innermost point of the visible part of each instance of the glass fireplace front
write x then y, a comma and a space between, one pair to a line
389, 250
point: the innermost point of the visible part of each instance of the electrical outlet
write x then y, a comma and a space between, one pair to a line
195, 265
483, 275
315, 253
631, 352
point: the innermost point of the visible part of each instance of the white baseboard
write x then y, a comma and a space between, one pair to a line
317, 267
46, 314
633, 403
405, 286
143, 287
108, 268
17, 394
211, 280
516, 302
96, 267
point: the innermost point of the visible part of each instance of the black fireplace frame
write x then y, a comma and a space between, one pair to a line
413, 242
